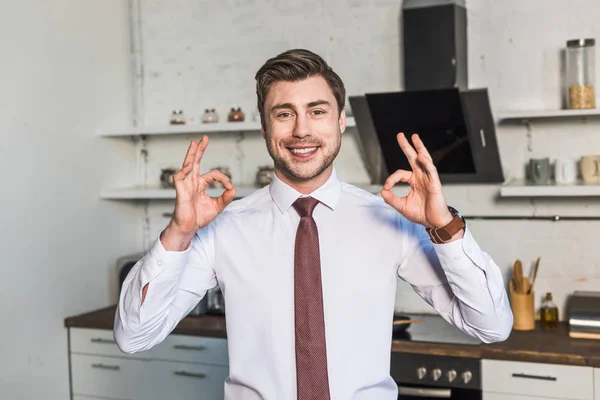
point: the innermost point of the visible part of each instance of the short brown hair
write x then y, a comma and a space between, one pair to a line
294, 65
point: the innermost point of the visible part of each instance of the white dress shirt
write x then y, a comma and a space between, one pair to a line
364, 244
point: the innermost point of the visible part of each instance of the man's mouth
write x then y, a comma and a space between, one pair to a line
303, 152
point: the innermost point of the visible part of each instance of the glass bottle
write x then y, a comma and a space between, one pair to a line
580, 73
548, 313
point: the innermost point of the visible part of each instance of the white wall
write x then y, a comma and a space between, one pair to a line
65, 73
199, 55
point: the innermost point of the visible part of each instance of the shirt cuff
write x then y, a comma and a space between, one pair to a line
454, 254
160, 261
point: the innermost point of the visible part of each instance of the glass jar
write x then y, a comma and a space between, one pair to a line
580, 73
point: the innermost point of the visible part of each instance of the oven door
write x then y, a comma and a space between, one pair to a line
418, 392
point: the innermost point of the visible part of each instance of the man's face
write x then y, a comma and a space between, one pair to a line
302, 127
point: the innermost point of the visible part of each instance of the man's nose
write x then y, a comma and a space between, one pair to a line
302, 127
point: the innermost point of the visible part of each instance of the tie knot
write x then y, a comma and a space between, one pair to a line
305, 206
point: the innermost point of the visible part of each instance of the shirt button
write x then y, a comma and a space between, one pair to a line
159, 263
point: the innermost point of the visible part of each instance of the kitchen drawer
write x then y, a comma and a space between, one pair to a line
100, 342
188, 381
533, 379
503, 396
111, 377
192, 349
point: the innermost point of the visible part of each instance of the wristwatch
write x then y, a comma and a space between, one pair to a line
447, 232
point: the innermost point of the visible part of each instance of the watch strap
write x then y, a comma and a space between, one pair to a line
447, 232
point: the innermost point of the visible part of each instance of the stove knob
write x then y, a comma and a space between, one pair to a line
451, 375
436, 374
421, 372
466, 376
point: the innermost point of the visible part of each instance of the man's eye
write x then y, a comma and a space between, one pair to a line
318, 112
284, 114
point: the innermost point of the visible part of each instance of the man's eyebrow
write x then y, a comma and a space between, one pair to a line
318, 103
283, 105
292, 107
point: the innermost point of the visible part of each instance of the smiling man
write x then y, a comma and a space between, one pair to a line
308, 264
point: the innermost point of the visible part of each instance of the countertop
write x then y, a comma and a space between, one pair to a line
553, 346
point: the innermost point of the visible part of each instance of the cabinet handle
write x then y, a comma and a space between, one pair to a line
190, 374
100, 340
110, 367
423, 392
187, 347
528, 376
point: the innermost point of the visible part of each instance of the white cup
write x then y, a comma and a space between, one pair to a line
565, 171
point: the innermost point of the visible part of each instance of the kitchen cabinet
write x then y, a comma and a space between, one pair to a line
185, 367
596, 383
511, 379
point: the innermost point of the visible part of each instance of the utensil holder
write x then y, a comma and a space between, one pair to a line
523, 311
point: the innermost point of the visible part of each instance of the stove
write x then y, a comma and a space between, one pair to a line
422, 376
436, 329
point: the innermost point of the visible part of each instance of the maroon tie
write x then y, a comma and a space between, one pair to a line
311, 351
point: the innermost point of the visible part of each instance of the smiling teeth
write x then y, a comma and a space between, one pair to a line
306, 150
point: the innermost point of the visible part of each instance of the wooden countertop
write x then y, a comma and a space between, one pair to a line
553, 346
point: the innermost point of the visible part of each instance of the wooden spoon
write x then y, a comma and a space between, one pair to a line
535, 271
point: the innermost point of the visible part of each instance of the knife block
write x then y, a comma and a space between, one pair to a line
523, 310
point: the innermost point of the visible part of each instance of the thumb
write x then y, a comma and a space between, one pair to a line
390, 198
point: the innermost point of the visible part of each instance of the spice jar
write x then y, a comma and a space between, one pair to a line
177, 117
580, 73
236, 115
210, 116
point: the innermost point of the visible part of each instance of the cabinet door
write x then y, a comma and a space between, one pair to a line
188, 381
537, 379
112, 377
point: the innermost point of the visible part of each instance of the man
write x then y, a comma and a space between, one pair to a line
308, 265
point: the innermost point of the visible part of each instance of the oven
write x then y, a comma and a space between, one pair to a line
436, 377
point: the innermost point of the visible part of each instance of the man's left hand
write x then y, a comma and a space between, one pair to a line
425, 203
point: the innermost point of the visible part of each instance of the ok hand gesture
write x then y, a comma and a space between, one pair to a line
194, 209
425, 203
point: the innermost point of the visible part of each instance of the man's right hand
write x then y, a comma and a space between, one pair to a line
194, 209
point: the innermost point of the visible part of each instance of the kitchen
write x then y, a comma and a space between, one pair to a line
86, 72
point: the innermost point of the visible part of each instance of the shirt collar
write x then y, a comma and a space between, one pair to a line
284, 195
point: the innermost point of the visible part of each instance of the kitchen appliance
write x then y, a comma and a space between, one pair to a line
584, 315
435, 44
216, 301
430, 376
455, 125
124, 265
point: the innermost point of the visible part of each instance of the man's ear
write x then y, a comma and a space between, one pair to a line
342, 120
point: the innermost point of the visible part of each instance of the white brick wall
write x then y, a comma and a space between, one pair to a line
200, 54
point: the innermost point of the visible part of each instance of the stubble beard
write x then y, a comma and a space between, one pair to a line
299, 171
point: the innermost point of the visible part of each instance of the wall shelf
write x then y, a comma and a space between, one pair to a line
519, 188
158, 193
196, 128
526, 115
